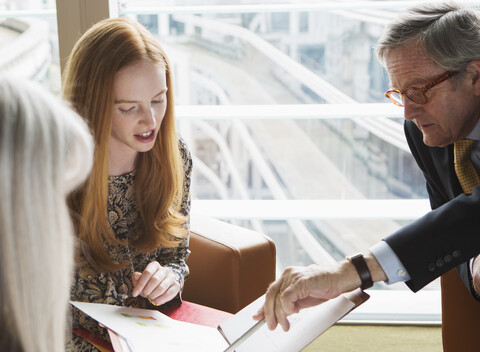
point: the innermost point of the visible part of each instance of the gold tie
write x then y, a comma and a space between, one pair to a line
466, 173
460, 311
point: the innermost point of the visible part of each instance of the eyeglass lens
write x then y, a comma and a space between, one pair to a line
412, 94
416, 96
397, 97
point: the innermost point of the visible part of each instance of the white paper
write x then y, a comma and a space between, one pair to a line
151, 331
143, 330
305, 326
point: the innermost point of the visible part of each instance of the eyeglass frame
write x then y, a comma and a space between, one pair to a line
422, 90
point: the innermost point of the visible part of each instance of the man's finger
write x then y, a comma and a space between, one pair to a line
269, 305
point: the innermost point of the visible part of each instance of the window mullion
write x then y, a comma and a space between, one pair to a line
75, 17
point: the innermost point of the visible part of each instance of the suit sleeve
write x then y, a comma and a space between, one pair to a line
446, 237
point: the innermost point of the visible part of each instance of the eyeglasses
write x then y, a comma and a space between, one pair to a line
417, 95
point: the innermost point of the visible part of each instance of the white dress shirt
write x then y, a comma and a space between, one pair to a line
386, 257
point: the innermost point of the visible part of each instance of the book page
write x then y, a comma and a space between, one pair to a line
144, 330
305, 326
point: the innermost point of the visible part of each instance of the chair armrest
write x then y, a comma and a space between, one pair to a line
230, 266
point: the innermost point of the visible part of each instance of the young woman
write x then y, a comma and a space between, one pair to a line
45, 151
133, 211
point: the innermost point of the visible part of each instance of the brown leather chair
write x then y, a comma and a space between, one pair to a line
460, 316
230, 266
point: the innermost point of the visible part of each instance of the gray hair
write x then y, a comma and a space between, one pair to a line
46, 150
449, 34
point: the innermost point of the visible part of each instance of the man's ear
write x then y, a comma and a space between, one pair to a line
473, 75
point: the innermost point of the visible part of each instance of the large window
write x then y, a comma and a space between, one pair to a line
29, 41
266, 61
282, 106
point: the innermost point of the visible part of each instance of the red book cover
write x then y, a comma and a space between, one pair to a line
197, 314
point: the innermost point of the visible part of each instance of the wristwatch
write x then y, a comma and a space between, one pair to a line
360, 265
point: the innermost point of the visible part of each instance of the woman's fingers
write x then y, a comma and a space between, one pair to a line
144, 278
166, 296
156, 283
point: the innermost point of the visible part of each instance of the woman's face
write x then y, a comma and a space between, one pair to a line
140, 93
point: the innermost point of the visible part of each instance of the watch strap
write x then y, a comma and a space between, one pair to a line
361, 266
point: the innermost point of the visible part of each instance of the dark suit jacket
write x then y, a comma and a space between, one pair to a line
448, 236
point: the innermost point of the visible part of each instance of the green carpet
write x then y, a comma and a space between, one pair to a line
368, 338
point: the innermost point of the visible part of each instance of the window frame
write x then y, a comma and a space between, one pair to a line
74, 18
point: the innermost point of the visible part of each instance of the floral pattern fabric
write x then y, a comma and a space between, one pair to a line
116, 287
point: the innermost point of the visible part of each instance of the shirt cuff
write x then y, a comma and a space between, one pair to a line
391, 265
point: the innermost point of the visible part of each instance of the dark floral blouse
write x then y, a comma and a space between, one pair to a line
116, 287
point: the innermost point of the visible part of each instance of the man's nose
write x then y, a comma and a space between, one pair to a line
410, 109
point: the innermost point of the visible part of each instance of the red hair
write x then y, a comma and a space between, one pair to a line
99, 54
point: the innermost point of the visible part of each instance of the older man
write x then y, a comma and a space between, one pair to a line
432, 56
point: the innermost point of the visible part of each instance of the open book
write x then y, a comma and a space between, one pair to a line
142, 330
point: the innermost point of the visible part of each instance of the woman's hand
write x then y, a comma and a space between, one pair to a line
156, 283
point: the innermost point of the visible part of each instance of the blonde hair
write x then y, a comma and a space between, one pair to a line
99, 54
45, 151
